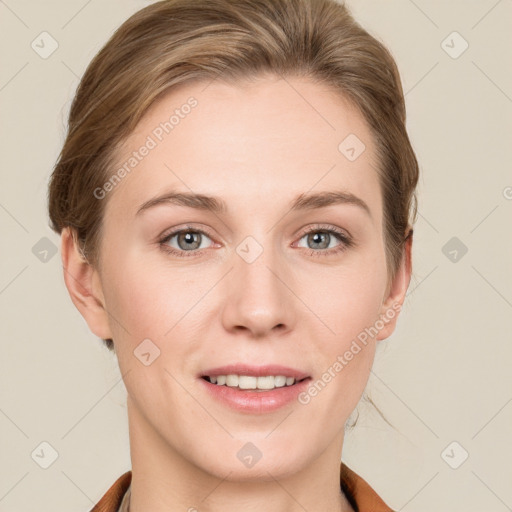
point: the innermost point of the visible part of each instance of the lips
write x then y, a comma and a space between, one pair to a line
254, 389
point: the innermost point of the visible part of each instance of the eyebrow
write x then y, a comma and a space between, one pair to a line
215, 204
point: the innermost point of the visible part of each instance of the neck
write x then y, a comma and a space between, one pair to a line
163, 480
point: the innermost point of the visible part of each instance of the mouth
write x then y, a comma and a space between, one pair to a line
254, 389
265, 379
253, 382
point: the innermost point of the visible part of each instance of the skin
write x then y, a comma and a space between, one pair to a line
257, 145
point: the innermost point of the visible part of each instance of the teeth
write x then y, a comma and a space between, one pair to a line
232, 381
279, 381
252, 382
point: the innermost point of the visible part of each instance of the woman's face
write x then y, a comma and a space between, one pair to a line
281, 273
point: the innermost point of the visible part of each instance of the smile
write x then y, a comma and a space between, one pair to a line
262, 382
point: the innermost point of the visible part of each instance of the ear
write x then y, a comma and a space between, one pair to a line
84, 285
397, 290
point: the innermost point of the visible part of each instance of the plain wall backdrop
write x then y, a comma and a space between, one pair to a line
443, 379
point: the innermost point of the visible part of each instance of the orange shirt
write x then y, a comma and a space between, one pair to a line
360, 495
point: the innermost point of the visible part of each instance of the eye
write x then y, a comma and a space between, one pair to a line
182, 241
322, 241
325, 241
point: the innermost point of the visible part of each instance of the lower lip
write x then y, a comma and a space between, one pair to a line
255, 401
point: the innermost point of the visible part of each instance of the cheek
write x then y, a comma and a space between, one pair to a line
346, 361
349, 304
150, 310
350, 299
156, 319
148, 302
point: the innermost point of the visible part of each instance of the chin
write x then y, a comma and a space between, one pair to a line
264, 470
254, 458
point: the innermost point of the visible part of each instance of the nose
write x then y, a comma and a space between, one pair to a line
259, 300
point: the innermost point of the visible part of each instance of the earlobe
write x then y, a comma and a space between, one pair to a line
84, 286
392, 305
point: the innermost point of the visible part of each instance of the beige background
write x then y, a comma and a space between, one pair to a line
444, 375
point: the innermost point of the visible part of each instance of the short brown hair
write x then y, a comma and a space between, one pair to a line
177, 41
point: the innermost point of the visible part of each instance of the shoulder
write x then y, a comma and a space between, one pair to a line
111, 500
360, 494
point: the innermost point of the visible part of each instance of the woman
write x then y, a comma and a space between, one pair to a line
235, 197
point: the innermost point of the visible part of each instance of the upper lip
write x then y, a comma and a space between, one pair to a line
257, 371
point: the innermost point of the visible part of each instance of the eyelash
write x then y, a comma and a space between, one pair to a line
346, 241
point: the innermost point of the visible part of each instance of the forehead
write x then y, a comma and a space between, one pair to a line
266, 138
